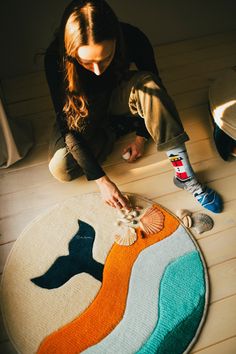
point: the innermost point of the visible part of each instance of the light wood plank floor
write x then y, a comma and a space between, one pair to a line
187, 69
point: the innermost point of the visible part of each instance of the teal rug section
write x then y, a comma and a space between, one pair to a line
178, 340
181, 291
141, 312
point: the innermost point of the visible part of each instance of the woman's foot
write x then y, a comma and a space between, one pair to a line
185, 178
206, 196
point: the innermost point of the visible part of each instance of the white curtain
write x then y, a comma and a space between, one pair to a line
15, 139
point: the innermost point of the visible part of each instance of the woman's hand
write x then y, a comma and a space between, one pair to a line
111, 194
135, 149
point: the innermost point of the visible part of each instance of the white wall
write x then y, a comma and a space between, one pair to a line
26, 26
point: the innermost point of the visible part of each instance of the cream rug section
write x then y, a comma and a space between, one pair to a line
31, 313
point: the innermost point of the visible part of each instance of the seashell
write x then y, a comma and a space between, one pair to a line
123, 221
187, 221
126, 156
126, 212
138, 208
202, 222
117, 223
181, 213
135, 213
128, 238
129, 217
152, 221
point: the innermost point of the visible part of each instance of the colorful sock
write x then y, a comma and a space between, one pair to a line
185, 178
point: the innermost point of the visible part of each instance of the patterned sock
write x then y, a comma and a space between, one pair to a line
185, 178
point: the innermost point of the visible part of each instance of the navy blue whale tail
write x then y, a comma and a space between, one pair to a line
79, 260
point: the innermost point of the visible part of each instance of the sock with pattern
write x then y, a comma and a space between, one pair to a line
185, 178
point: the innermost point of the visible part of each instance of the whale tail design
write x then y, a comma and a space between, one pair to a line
79, 260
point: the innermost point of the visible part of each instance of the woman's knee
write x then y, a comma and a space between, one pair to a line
58, 166
145, 89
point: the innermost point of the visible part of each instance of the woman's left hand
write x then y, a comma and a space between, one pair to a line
136, 149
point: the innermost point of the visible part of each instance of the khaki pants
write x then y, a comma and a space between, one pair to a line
140, 95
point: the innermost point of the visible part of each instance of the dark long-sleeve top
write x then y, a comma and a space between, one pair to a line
138, 50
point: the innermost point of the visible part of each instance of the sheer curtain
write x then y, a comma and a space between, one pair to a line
15, 139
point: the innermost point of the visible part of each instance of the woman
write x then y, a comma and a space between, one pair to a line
97, 98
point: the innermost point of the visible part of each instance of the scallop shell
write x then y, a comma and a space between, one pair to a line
152, 221
202, 222
128, 238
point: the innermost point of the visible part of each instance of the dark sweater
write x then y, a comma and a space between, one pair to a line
139, 51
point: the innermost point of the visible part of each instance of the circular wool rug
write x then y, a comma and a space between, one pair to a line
67, 287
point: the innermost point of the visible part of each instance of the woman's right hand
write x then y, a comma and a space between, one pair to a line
111, 194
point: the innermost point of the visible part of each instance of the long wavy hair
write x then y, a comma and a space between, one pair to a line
84, 22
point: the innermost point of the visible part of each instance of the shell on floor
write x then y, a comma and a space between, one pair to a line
152, 221
128, 238
187, 221
181, 213
202, 222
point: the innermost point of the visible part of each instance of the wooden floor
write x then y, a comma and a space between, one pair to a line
27, 188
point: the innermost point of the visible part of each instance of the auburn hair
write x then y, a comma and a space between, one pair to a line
84, 22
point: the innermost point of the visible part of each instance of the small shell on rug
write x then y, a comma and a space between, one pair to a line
126, 156
129, 217
123, 221
152, 221
128, 238
135, 213
187, 221
202, 222
181, 213
117, 223
138, 208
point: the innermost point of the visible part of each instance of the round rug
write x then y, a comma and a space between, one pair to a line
67, 287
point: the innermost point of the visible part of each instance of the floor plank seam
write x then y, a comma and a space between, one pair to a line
25, 100
202, 59
215, 233
227, 36
8, 242
212, 345
222, 299
199, 89
222, 262
22, 168
229, 260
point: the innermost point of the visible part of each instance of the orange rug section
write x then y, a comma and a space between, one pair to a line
107, 309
